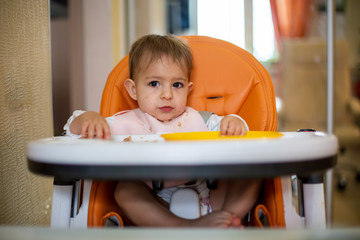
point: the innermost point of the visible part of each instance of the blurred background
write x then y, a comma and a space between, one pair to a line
87, 38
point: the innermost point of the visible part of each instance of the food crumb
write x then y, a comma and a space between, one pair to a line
128, 139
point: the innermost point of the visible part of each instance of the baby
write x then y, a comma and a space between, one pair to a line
160, 68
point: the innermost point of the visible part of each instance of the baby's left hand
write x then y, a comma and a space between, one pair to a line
232, 126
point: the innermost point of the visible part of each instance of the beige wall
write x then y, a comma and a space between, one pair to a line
304, 75
352, 31
25, 109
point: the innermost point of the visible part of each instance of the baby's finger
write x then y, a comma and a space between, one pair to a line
231, 129
84, 129
243, 130
223, 128
91, 131
239, 131
107, 132
99, 131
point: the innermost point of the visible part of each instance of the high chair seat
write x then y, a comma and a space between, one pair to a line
227, 80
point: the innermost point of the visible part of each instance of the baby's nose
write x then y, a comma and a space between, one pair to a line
167, 93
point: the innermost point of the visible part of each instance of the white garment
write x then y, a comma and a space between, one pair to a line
199, 186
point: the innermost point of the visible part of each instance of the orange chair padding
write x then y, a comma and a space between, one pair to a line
102, 203
227, 80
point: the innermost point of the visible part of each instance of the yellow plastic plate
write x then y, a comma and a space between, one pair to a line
215, 135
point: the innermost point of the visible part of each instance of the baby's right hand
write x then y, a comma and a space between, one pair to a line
90, 125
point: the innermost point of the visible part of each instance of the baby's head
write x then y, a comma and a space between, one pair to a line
153, 47
159, 81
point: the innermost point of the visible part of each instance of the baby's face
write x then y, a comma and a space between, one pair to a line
162, 89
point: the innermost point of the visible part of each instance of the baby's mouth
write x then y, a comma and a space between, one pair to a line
166, 109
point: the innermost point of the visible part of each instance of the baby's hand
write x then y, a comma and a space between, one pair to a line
91, 124
232, 126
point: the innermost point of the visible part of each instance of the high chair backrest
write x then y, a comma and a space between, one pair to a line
227, 80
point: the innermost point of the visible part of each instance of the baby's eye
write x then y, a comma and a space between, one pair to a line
154, 84
178, 85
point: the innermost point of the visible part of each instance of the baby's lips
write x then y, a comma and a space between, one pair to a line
166, 108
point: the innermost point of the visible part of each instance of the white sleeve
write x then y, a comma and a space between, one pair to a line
68, 123
77, 113
213, 123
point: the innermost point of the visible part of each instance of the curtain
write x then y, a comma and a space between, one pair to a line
290, 18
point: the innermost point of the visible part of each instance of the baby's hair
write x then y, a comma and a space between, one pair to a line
152, 47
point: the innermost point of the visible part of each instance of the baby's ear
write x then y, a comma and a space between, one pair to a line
190, 86
129, 84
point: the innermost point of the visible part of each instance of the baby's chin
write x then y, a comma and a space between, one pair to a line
165, 120
166, 117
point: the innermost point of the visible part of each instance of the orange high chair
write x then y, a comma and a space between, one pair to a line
227, 79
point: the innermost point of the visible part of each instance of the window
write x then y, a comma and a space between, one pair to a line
263, 31
225, 19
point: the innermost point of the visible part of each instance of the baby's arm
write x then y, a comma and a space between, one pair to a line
89, 125
231, 126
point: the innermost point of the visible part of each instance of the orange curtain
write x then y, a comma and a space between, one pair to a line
290, 18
